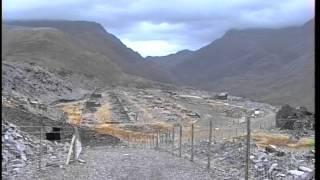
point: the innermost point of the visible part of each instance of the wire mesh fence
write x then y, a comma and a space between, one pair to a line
44, 145
221, 150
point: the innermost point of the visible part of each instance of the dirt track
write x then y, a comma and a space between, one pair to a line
129, 164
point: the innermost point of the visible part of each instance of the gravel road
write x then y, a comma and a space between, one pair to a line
128, 163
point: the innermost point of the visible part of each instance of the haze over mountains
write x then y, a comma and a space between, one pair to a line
273, 65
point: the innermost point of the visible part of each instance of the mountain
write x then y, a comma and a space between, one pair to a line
52, 48
88, 37
172, 59
272, 65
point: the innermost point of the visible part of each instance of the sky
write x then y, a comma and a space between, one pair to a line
158, 28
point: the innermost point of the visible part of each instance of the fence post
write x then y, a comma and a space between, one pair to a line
173, 140
209, 145
128, 137
134, 143
150, 142
192, 138
248, 148
168, 140
157, 139
214, 134
180, 140
136, 116
222, 135
40, 150
76, 133
165, 140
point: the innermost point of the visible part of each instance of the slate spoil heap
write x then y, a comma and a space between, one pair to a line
20, 152
272, 162
17, 149
295, 119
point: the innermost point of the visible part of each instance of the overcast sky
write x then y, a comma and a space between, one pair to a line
161, 27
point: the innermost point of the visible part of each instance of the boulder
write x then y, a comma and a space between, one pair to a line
273, 149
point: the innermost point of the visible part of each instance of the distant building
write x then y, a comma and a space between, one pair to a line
222, 96
90, 104
96, 95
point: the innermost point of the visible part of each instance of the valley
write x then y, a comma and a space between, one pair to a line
220, 107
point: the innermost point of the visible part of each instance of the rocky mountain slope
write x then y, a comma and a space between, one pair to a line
78, 46
36, 82
272, 65
51, 48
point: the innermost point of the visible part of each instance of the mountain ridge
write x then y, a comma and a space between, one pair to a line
275, 65
93, 37
171, 59
272, 65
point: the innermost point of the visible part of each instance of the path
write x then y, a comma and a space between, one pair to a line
126, 164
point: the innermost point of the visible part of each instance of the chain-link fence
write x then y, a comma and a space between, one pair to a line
224, 151
51, 144
227, 152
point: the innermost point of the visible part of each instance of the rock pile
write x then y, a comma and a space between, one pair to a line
234, 112
34, 82
228, 160
17, 149
20, 152
280, 164
294, 118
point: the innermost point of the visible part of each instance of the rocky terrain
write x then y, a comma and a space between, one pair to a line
135, 111
295, 119
269, 65
35, 83
21, 150
77, 46
53, 79
271, 162
128, 116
